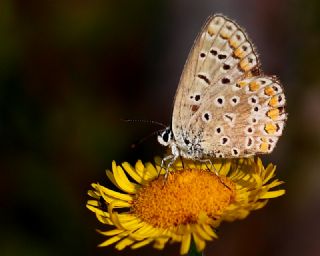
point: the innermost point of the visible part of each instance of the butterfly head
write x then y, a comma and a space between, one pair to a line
165, 138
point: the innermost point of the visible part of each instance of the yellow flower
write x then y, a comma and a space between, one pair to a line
189, 204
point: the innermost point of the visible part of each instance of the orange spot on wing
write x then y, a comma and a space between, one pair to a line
244, 65
269, 91
239, 53
211, 30
224, 35
273, 101
242, 84
264, 147
254, 86
273, 113
233, 43
270, 128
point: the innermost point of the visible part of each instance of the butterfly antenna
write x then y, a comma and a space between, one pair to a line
144, 121
145, 138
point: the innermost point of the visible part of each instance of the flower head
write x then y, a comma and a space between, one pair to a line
189, 204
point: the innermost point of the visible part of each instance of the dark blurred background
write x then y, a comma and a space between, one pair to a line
70, 70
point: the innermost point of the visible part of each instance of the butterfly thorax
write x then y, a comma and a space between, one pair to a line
184, 145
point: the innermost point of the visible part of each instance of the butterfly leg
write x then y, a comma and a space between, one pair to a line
182, 163
205, 161
166, 163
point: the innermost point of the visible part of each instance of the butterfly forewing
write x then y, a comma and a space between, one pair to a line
222, 104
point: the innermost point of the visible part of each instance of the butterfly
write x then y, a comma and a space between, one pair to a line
224, 105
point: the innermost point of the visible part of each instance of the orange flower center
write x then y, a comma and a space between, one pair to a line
182, 197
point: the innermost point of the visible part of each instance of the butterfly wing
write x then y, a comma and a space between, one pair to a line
243, 119
221, 57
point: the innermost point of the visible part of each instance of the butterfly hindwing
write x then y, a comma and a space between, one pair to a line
241, 120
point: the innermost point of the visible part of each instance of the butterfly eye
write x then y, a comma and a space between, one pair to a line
165, 137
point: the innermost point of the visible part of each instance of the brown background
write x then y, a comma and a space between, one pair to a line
70, 70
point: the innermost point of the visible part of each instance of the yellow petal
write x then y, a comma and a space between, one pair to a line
258, 205
160, 242
114, 218
185, 244
199, 242
114, 194
273, 194
110, 241
111, 232
141, 244
132, 172
142, 171
183, 229
269, 173
224, 168
274, 183
124, 243
104, 220
97, 210
94, 203
118, 203
201, 233
127, 223
133, 225
125, 217
151, 169
146, 230
93, 193
123, 181
111, 177
209, 231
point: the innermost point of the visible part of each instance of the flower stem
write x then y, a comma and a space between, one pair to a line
193, 250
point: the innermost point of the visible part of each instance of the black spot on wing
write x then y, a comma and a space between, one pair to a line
204, 78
